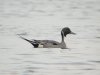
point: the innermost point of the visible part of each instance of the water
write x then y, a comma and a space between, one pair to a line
36, 19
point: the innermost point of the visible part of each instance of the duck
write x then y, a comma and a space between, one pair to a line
51, 43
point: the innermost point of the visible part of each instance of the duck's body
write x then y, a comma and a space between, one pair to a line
51, 43
46, 43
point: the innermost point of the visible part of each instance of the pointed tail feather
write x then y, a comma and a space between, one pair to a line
32, 42
25, 39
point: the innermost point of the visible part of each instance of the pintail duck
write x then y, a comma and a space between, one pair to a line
51, 43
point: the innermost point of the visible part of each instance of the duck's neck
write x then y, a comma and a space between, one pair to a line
62, 36
63, 44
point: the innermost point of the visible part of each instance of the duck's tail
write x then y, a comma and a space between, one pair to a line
26, 39
32, 42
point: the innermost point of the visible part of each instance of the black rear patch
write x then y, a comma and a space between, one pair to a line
54, 43
35, 45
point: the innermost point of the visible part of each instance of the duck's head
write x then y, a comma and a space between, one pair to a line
66, 31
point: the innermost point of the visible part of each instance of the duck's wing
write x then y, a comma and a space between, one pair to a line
48, 43
43, 42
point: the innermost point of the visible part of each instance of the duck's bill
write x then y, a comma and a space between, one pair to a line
72, 33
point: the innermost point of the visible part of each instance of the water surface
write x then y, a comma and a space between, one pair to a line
36, 19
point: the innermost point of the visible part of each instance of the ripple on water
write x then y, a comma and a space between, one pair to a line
98, 37
95, 61
66, 63
88, 69
0, 25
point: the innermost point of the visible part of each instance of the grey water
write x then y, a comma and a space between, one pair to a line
44, 19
